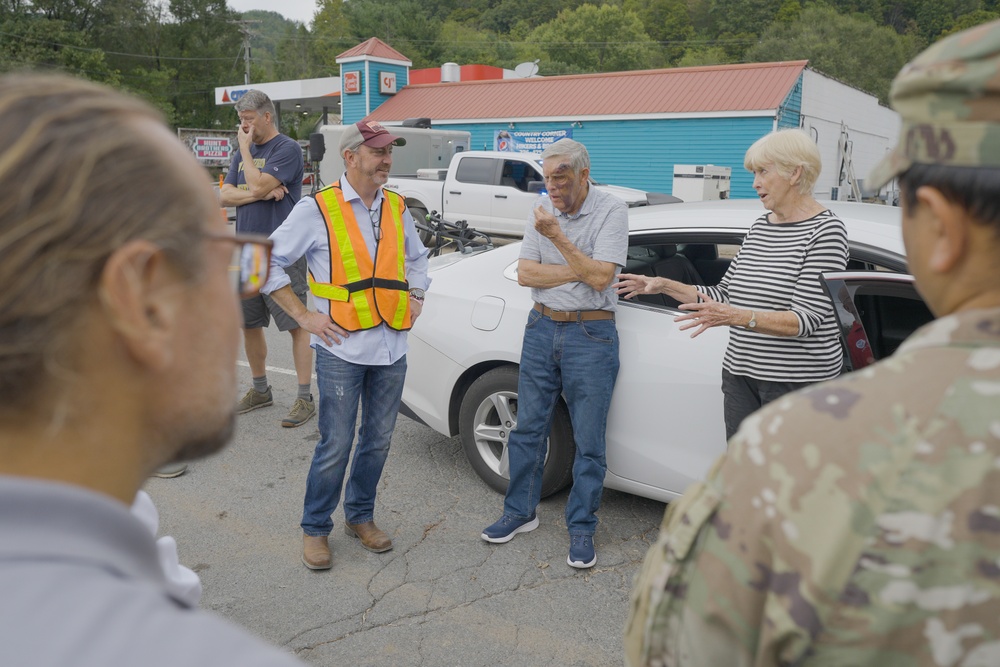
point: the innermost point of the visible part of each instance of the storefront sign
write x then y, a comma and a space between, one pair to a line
211, 148
352, 83
387, 83
518, 141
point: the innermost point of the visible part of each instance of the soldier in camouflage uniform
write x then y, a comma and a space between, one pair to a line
857, 522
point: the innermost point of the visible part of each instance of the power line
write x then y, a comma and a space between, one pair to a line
111, 53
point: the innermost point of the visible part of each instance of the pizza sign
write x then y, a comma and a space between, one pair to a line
211, 148
352, 82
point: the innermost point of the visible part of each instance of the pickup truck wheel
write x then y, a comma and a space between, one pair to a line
420, 215
488, 415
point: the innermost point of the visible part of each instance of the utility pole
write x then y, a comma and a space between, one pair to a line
244, 27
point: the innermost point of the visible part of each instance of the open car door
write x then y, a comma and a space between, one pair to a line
876, 311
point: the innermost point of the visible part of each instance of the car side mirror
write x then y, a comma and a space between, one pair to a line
537, 187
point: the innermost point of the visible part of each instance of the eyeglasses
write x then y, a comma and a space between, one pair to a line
250, 263
375, 214
557, 182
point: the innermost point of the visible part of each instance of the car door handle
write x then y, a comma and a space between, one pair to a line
500, 196
453, 192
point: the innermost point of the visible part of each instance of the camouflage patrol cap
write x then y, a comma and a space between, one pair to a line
949, 101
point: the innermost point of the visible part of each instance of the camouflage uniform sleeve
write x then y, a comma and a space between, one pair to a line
729, 581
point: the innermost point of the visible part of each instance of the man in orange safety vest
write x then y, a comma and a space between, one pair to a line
367, 275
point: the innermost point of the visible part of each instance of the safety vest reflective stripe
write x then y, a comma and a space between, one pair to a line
327, 291
342, 237
362, 293
403, 304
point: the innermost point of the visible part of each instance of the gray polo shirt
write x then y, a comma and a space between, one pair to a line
80, 585
600, 231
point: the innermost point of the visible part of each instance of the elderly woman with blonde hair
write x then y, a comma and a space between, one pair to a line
782, 333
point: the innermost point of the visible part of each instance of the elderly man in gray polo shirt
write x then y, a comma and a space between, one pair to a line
119, 330
575, 243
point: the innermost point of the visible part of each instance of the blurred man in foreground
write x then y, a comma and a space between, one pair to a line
858, 522
119, 329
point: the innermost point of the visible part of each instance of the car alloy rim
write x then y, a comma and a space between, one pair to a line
495, 418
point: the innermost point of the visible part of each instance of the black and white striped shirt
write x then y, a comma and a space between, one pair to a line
778, 269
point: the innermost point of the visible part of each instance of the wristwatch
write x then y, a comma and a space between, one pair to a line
752, 324
417, 294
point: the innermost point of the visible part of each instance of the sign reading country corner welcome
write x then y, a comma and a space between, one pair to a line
517, 141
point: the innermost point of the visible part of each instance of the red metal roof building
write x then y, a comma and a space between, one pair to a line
637, 125
758, 87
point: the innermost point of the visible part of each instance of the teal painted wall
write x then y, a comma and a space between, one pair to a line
790, 112
374, 69
642, 153
353, 107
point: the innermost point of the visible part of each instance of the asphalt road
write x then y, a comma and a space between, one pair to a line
441, 597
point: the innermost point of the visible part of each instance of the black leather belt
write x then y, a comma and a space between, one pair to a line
574, 315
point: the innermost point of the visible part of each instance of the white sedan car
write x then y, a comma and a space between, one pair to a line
665, 427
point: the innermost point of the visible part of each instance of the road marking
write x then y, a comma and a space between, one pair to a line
273, 369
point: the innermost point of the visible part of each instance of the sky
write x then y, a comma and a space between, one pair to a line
296, 10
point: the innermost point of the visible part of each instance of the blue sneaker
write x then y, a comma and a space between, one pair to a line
581, 552
507, 527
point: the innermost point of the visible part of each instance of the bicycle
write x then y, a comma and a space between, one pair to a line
444, 234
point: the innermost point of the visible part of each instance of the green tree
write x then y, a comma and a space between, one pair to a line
704, 55
851, 48
971, 20
34, 41
936, 17
744, 16
465, 44
201, 44
402, 24
873, 9
330, 35
667, 22
595, 39
294, 56
153, 85
504, 15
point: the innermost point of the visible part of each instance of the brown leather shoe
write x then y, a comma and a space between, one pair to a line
372, 537
316, 552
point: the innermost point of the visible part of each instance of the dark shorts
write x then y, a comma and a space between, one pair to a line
258, 310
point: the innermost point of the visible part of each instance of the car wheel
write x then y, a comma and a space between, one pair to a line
419, 215
488, 415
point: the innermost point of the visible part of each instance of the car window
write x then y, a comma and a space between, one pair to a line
864, 257
476, 170
517, 174
692, 263
703, 259
889, 319
875, 313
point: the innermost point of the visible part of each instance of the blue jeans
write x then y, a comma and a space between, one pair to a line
580, 361
341, 386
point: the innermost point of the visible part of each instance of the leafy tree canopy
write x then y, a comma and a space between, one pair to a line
850, 48
175, 52
595, 39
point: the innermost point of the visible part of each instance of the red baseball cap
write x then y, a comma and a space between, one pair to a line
369, 133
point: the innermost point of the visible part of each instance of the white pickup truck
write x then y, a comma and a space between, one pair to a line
492, 190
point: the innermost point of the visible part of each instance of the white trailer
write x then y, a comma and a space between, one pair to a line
853, 132
425, 148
